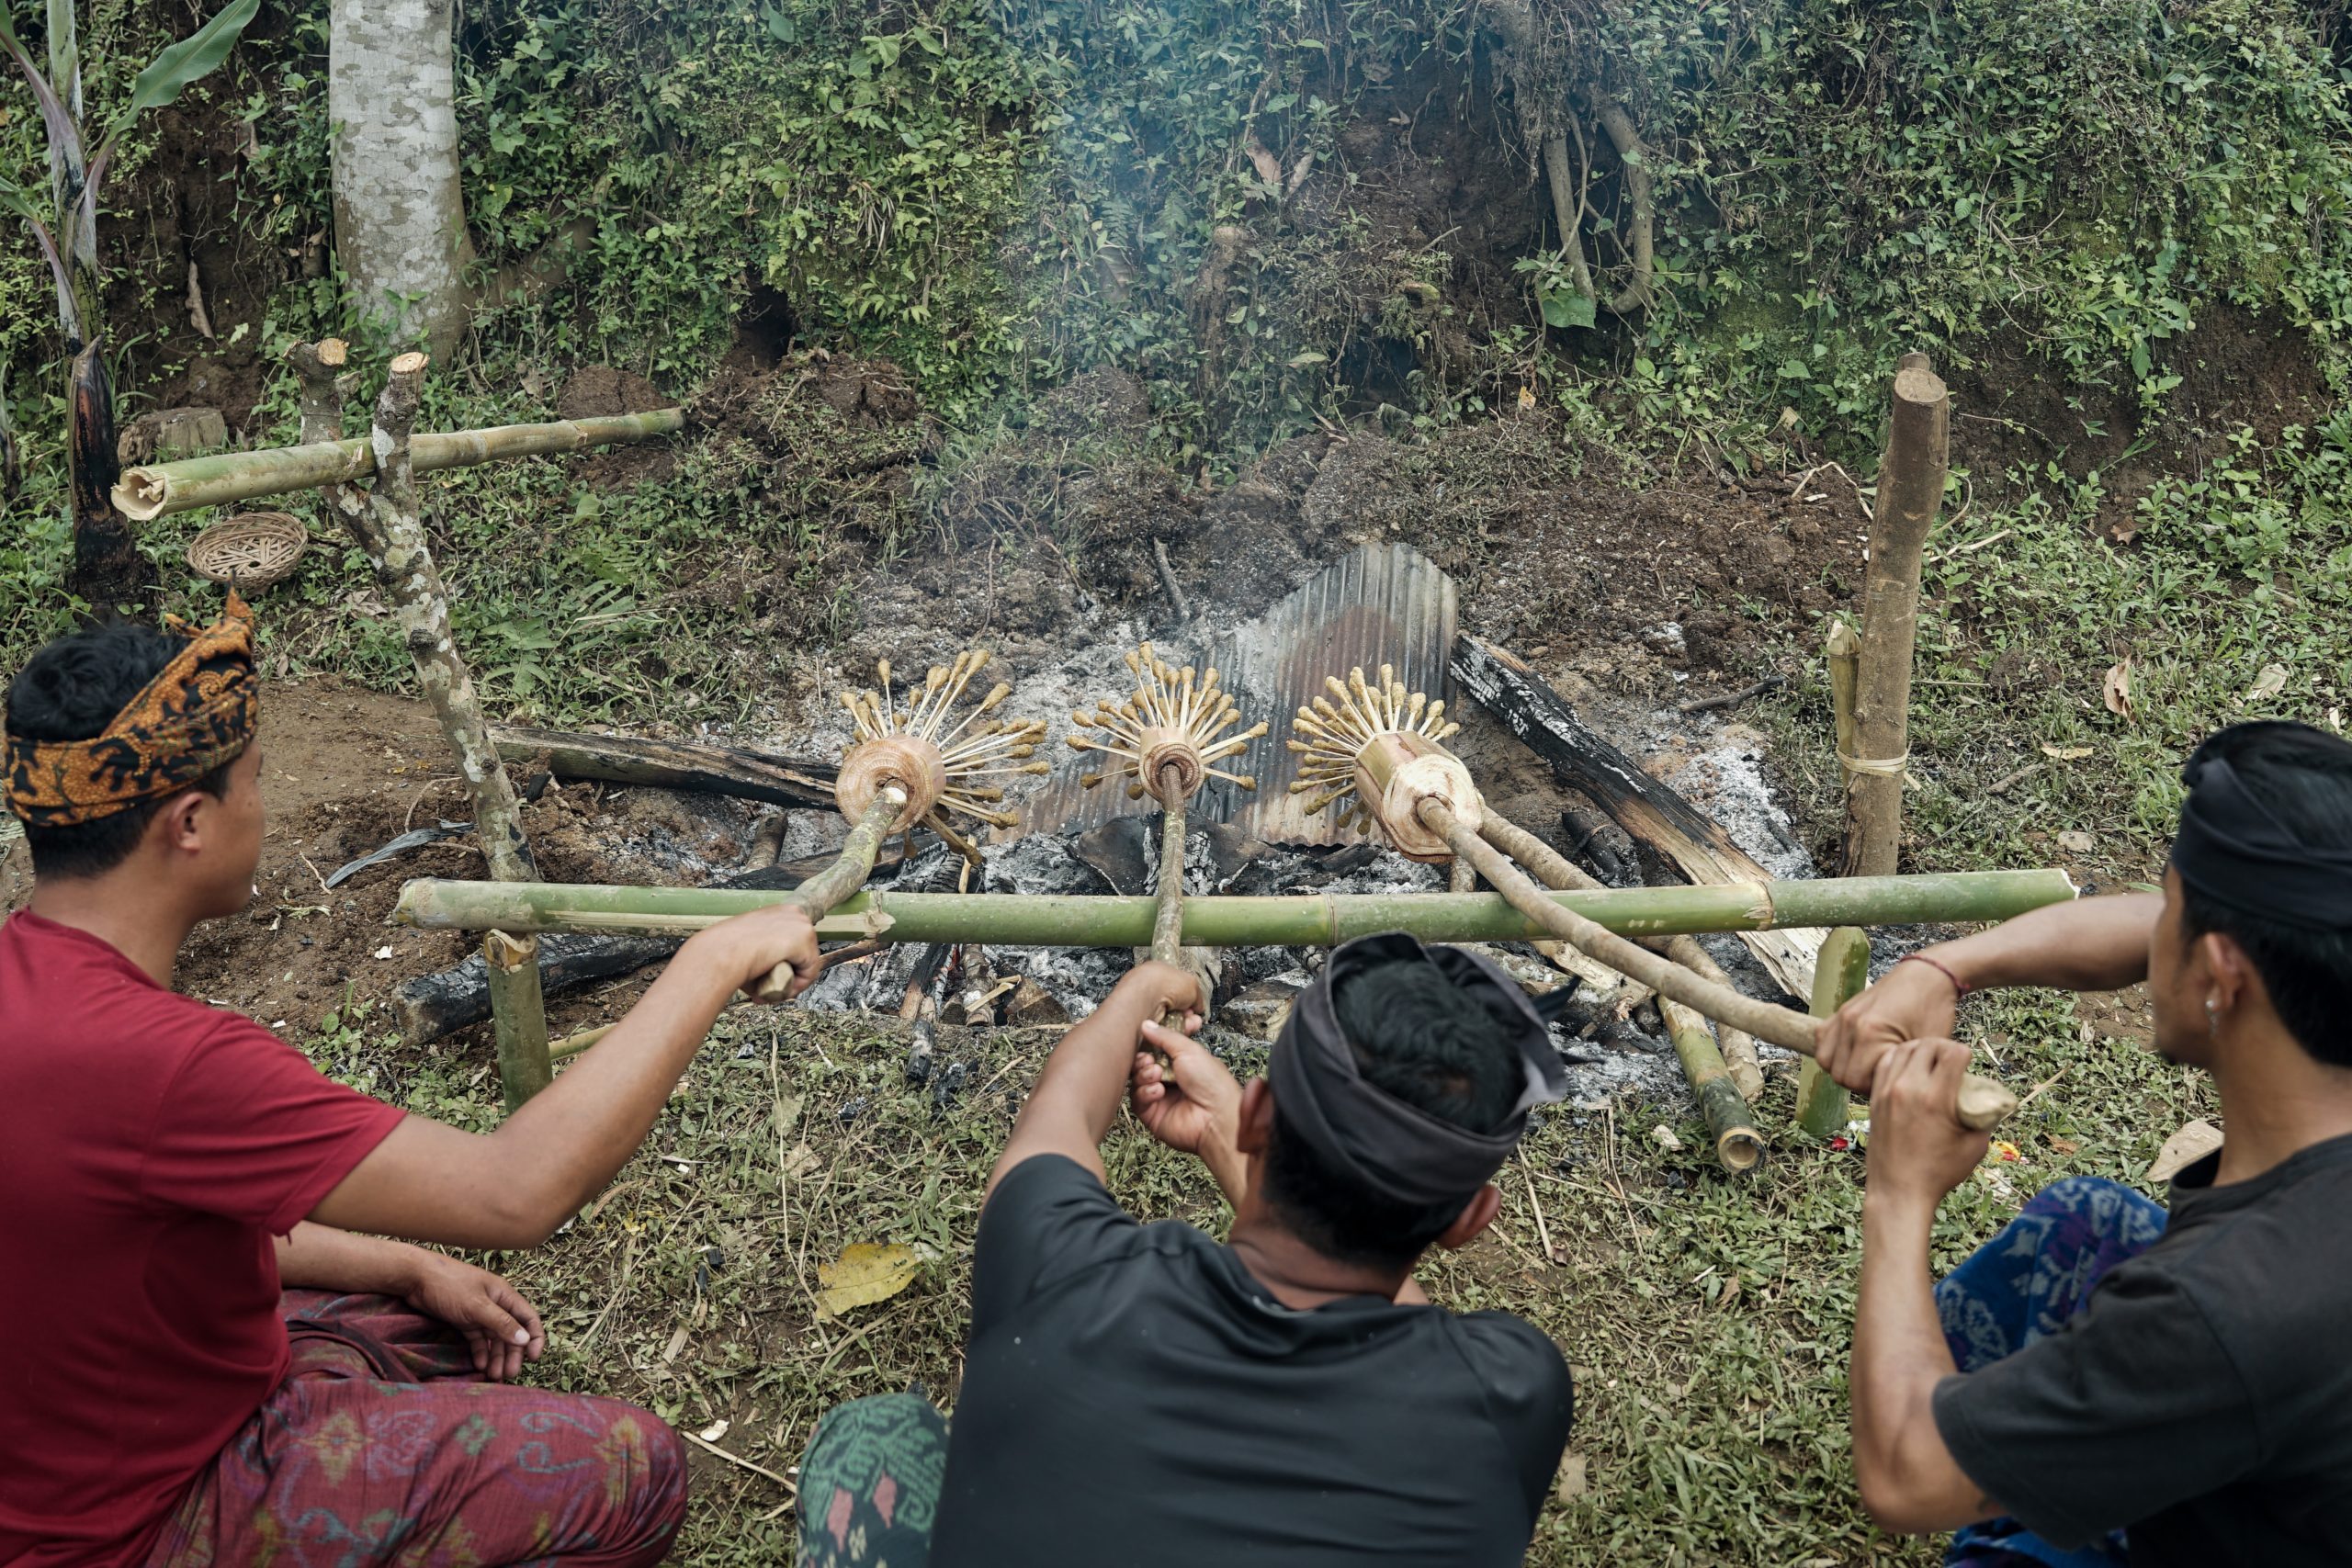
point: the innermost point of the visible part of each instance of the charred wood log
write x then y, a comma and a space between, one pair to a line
1651, 812
673, 764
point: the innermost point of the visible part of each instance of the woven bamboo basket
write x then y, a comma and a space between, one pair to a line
250, 551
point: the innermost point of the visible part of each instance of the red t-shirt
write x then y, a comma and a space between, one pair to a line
150, 1149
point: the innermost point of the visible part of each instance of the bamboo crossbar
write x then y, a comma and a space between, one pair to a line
158, 489
1319, 920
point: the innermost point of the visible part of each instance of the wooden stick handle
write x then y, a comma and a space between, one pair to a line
1983, 1104
838, 881
1168, 914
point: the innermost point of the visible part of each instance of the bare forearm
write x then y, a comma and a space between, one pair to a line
1080, 1087
2092, 945
1908, 1480
321, 1257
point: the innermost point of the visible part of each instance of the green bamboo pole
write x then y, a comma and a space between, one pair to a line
159, 489
1320, 919
1729, 1122
518, 1016
1556, 870
1823, 1108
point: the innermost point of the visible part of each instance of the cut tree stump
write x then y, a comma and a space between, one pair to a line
1654, 814
673, 764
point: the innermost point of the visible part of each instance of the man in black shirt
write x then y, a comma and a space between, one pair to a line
2103, 1385
1143, 1394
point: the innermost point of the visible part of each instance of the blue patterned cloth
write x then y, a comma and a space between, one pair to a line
2025, 1283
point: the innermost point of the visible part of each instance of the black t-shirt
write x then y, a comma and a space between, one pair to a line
2202, 1401
1132, 1397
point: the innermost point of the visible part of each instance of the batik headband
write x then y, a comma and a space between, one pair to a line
199, 712
1395, 1149
2233, 851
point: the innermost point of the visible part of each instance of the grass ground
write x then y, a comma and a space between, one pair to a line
1707, 1317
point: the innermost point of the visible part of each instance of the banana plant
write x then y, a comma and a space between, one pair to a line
66, 227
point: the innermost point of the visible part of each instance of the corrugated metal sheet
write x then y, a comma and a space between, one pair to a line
1384, 604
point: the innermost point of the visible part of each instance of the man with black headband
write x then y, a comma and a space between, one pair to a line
2106, 1382
1143, 1396
168, 1168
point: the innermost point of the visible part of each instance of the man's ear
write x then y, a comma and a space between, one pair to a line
1475, 1217
1257, 1126
179, 822
2229, 974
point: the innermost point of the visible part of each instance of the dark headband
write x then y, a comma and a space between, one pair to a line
2231, 849
1400, 1150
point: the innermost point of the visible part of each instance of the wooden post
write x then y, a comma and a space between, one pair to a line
1910, 489
1823, 1108
518, 1016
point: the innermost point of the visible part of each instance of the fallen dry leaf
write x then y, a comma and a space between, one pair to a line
1572, 1478
865, 1272
2067, 753
1663, 1137
2116, 690
2076, 843
2064, 1146
2269, 684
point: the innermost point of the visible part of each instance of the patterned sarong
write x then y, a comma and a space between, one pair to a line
870, 1483
383, 1446
2021, 1285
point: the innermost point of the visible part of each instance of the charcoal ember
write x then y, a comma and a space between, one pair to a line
920, 1051
949, 1084
851, 1109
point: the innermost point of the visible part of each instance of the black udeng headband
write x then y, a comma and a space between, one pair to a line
1398, 1150
2233, 851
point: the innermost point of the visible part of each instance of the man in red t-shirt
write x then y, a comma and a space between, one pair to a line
206, 1355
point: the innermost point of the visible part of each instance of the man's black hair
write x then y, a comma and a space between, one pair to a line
2303, 778
71, 691
1417, 1036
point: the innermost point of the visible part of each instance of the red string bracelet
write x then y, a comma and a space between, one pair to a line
1960, 986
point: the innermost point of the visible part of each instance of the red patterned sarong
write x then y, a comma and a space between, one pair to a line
383, 1446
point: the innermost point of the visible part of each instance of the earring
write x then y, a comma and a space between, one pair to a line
2213, 1018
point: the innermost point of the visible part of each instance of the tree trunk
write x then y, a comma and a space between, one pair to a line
399, 219
108, 568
